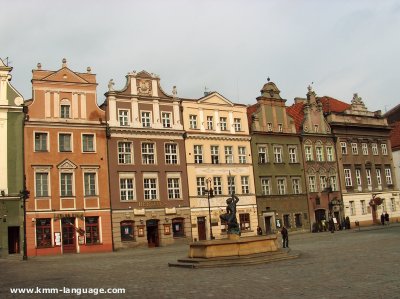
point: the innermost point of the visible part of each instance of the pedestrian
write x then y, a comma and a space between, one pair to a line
386, 218
259, 231
347, 222
383, 219
331, 225
285, 237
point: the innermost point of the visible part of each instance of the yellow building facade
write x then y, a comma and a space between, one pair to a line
218, 156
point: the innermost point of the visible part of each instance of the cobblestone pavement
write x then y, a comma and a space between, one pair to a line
345, 264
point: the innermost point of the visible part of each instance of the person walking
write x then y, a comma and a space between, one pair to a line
285, 237
259, 231
383, 219
386, 218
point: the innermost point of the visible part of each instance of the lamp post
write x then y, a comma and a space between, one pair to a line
24, 194
210, 194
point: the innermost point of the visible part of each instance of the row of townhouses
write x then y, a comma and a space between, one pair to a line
150, 168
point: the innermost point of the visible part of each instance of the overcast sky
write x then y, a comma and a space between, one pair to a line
231, 47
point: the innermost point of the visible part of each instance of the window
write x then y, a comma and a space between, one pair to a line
347, 177
171, 153
210, 123
174, 188
269, 127
228, 154
166, 119
201, 186
146, 119
178, 228
384, 149
374, 149
127, 233
87, 143
244, 220
231, 185
280, 128
237, 124
124, 152
148, 156
298, 220
64, 142
369, 179
42, 184
262, 154
43, 232
217, 185
65, 111
352, 208
266, 186
296, 186
311, 183
242, 154
198, 154
40, 142
66, 184
222, 123
150, 188
378, 176
316, 127
278, 154
388, 175
286, 221
358, 177
292, 154
343, 147
92, 230
333, 183
393, 204
319, 153
363, 207
323, 182
308, 153
126, 189
123, 116
364, 147
192, 121
329, 154
245, 184
281, 186
90, 183
354, 148
214, 154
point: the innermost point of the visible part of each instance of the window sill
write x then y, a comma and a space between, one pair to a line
96, 244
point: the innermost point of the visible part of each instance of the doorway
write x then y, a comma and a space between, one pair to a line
320, 220
13, 239
152, 233
201, 228
268, 226
68, 235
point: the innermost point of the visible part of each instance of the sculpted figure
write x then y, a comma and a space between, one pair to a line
230, 216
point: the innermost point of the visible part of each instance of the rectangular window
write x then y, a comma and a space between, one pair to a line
237, 124
262, 154
296, 186
364, 147
378, 176
352, 208
150, 188
40, 142
319, 153
87, 143
242, 154
308, 153
358, 177
124, 152
42, 184
384, 149
123, 117
329, 154
166, 119
198, 154
292, 154
64, 142
201, 186
281, 182
343, 147
217, 182
228, 154
266, 186
269, 127
146, 119
43, 232
347, 177
323, 182
174, 188
393, 204
311, 183
126, 189
66, 184
369, 178
244, 220
286, 221
363, 207
92, 230
278, 154
245, 184
90, 183
65, 111
148, 156
354, 148
171, 153
214, 154
192, 121
388, 175
231, 185
333, 183
210, 123
280, 128
316, 127
374, 149
298, 220
222, 123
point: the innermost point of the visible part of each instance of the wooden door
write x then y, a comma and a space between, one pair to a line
68, 235
201, 228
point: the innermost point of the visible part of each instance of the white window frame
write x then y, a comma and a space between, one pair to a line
281, 185
384, 149
358, 177
71, 142
198, 154
47, 149
231, 184
217, 185
323, 182
333, 181
210, 122
148, 153
242, 154
83, 144
364, 147
228, 149
374, 149
166, 119
96, 184
354, 148
201, 186
388, 175
64, 172
145, 118
193, 121
347, 177
368, 175
278, 153
237, 124
312, 183
308, 150
122, 155
292, 154
124, 120
378, 176
363, 207
214, 149
223, 123
319, 153
42, 195
174, 188
269, 127
151, 189
262, 154
330, 156
352, 208
245, 182
265, 185
296, 185
127, 191
171, 153
343, 146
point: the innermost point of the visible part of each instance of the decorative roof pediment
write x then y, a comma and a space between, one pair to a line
270, 90
144, 74
215, 98
66, 164
65, 75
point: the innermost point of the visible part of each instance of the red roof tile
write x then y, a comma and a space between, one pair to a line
395, 135
296, 112
250, 110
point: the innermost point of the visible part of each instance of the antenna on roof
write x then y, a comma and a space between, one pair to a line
7, 61
206, 92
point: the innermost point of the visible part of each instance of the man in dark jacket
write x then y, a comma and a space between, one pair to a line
285, 237
383, 219
386, 218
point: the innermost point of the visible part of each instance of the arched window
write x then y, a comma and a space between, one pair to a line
127, 232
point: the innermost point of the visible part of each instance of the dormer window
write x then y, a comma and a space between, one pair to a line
280, 127
316, 128
269, 127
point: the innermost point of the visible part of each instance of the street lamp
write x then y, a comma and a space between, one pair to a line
24, 195
210, 194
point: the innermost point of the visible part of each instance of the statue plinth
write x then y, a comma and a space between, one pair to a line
233, 237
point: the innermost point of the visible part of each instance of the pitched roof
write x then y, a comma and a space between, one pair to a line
250, 110
395, 135
297, 113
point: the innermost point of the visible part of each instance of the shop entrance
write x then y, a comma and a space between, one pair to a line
201, 228
152, 233
68, 235
320, 220
13, 239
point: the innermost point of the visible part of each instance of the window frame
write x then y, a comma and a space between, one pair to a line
47, 144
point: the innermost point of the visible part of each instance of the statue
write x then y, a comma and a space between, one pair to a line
174, 92
230, 216
111, 85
